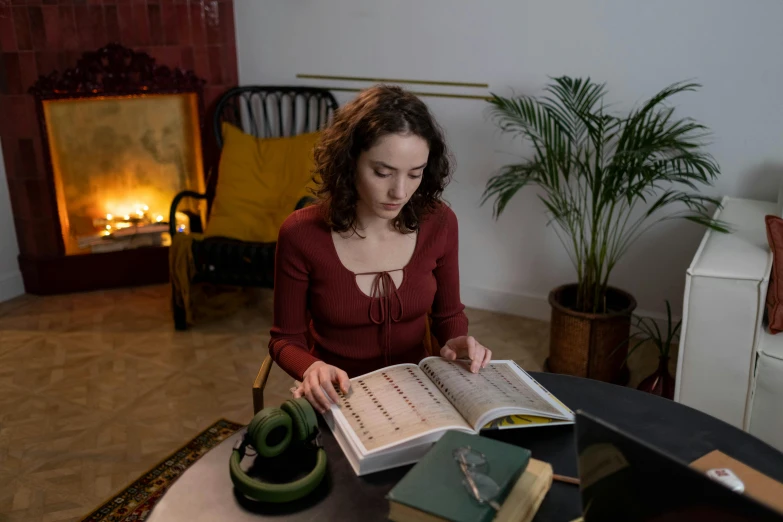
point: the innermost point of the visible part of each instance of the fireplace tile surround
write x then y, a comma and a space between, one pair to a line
40, 36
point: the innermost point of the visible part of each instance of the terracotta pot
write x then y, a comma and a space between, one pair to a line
581, 344
661, 382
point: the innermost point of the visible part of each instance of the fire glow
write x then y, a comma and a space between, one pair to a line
126, 216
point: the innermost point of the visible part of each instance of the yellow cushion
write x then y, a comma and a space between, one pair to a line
260, 180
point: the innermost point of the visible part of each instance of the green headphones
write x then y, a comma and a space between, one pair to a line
295, 419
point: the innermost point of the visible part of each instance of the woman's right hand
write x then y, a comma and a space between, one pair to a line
320, 377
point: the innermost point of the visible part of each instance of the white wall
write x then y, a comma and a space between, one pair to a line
637, 47
11, 284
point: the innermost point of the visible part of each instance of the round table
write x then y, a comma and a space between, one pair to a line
204, 491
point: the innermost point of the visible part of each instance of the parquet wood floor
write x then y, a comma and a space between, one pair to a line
96, 388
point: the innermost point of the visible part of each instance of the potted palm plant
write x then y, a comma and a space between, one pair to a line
605, 179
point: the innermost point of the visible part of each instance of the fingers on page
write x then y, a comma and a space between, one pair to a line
473, 346
474, 354
329, 385
311, 399
323, 400
345, 382
317, 393
448, 353
487, 357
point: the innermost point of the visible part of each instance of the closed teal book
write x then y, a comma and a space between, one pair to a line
434, 484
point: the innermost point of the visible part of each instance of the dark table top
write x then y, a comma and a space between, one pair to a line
205, 492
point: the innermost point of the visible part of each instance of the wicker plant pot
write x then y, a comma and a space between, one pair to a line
581, 344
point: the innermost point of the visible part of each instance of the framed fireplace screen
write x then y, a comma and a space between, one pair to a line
119, 155
118, 162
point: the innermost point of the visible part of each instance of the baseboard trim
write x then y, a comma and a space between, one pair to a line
11, 285
529, 305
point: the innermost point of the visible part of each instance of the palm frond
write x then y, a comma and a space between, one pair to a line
509, 180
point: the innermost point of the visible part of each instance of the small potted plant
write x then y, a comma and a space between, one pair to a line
604, 179
647, 332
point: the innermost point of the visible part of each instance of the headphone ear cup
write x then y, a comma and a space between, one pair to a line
303, 419
270, 432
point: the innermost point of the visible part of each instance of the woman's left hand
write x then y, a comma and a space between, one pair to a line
467, 346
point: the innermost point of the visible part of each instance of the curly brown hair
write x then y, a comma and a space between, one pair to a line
356, 127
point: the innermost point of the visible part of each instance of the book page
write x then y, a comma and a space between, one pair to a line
395, 404
494, 387
518, 420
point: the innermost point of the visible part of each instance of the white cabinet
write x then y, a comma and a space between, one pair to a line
723, 307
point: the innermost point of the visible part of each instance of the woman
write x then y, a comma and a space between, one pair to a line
357, 273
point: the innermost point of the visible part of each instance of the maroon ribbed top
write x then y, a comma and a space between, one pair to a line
315, 294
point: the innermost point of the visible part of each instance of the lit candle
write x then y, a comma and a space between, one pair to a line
159, 219
108, 227
109, 217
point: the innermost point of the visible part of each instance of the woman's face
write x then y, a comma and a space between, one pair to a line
389, 173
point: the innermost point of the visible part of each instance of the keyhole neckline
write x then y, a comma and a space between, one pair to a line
377, 273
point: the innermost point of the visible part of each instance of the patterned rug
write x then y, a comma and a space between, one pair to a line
134, 503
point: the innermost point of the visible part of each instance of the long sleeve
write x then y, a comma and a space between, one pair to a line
288, 342
448, 315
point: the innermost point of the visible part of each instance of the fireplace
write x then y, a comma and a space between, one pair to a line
121, 136
117, 163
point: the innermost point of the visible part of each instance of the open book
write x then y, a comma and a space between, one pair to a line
393, 416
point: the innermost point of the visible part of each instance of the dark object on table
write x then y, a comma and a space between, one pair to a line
624, 478
264, 111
